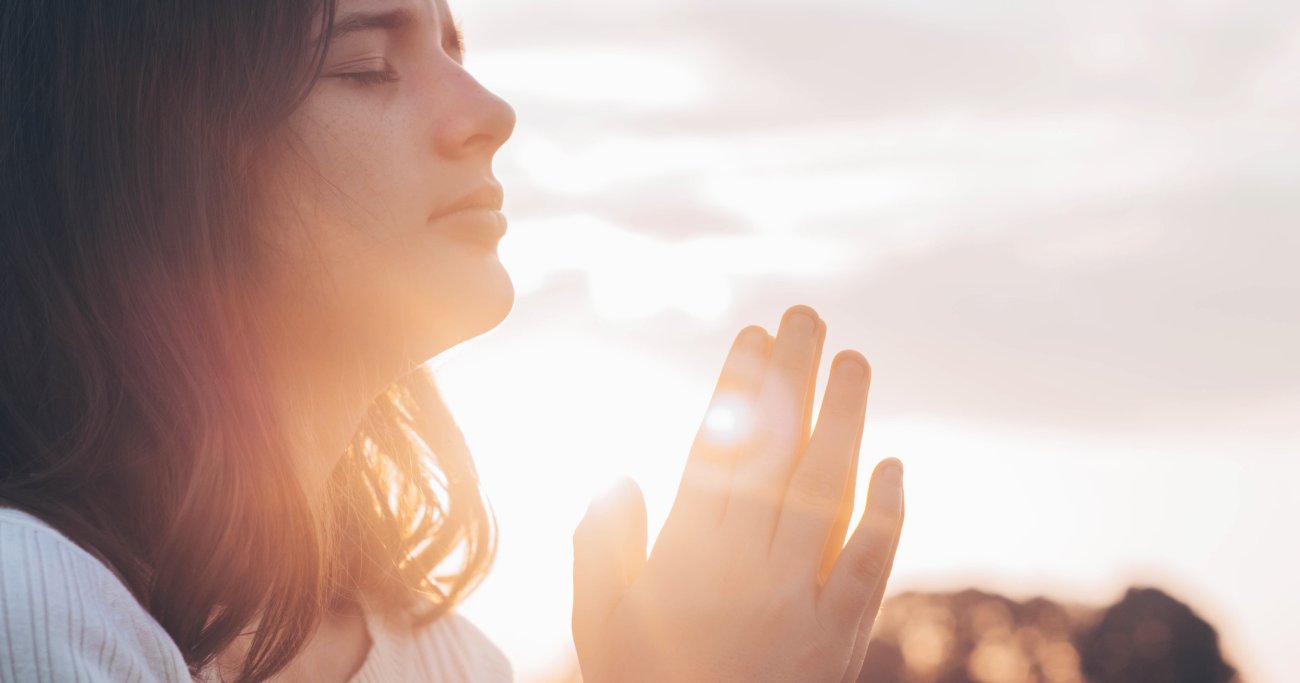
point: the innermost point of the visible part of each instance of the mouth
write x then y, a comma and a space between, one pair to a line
475, 217
485, 197
481, 226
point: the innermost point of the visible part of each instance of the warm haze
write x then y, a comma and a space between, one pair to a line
1063, 233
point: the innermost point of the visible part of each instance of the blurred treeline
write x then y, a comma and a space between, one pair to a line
977, 637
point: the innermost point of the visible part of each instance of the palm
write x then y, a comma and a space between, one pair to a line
747, 581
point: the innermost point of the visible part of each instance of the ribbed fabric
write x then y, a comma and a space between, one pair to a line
66, 618
450, 650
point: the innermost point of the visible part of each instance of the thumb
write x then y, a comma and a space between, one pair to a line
608, 553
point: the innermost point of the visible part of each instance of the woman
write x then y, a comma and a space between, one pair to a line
230, 235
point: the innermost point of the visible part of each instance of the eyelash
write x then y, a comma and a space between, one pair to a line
369, 77
382, 77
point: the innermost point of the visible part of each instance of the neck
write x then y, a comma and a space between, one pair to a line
333, 652
321, 396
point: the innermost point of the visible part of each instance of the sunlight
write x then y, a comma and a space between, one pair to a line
647, 277
656, 181
730, 420
632, 275
610, 76
553, 415
629, 275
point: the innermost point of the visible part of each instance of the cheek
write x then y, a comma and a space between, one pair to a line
347, 185
366, 178
357, 196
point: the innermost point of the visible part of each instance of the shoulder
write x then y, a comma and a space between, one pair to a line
480, 654
451, 648
65, 616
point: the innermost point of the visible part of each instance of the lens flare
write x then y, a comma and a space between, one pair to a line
730, 420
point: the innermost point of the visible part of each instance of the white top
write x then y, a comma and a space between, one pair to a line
66, 618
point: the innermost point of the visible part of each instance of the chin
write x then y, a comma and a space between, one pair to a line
472, 306
496, 305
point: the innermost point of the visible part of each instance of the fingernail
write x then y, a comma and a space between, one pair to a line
892, 471
892, 477
802, 323
850, 370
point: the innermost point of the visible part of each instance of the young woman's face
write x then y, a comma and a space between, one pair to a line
383, 209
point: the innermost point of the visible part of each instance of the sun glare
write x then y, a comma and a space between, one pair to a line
730, 420
629, 275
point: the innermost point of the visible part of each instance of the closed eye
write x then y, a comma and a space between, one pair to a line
369, 77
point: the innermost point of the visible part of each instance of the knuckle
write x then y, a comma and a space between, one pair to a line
843, 408
816, 489
869, 567
775, 441
790, 595
791, 364
881, 525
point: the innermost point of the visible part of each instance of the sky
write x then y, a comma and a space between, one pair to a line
1064, 234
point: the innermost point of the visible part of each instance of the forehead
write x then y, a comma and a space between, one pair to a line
426, 10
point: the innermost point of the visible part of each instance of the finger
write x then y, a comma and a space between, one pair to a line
863, 564
835, 542
822, 482
865, 627
727, 429
630, 511
785, 409
608, 553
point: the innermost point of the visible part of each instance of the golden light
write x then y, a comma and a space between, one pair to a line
629, 276
730, 420
668, 191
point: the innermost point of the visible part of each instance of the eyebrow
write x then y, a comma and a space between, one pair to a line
364, 21
392, 20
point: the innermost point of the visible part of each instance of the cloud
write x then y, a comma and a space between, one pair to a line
1037, 211
732, 65
1144, 311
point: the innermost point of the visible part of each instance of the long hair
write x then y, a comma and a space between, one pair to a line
131, 414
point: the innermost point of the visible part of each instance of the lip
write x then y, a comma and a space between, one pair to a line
477, 225
475, 217
488, 196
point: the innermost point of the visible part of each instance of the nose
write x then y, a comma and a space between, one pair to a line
476, 121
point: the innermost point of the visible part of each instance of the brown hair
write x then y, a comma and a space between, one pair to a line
131, 414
